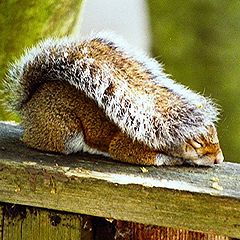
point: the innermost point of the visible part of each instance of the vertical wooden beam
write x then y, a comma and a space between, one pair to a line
1, 222
133, 231
28, 223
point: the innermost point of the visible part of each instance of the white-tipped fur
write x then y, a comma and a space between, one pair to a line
133, 111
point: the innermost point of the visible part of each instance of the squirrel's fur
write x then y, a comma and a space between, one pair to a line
131, 89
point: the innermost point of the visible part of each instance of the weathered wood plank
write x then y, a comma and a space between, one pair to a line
179, 197
20, 222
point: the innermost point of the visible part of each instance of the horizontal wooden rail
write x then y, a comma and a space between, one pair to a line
200, 199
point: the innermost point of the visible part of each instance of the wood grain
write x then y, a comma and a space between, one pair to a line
178, 197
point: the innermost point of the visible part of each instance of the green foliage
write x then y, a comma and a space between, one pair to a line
22, 23
199, 43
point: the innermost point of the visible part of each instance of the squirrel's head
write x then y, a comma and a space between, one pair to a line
202, 150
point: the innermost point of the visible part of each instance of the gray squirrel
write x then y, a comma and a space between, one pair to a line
98, 95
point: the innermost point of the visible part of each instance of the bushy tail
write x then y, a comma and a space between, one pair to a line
131, 88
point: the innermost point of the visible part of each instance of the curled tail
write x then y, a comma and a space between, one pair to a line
131, 88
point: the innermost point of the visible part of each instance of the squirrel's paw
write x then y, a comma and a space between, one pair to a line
162, 159
202, 150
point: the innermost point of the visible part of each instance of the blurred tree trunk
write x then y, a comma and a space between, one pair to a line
22, 23
199, 43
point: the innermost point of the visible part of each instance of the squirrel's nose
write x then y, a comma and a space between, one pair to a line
219, 158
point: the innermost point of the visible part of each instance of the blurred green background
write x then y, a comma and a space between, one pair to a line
198, 42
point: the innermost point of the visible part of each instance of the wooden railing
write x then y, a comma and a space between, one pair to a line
50, 196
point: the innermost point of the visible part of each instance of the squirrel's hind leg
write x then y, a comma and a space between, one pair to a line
124, 149
47, 120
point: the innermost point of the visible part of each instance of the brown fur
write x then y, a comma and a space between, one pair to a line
57, 110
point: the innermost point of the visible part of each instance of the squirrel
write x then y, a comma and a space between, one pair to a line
99, 95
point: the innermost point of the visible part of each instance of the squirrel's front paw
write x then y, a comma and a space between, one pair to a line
162, 159
202, 150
